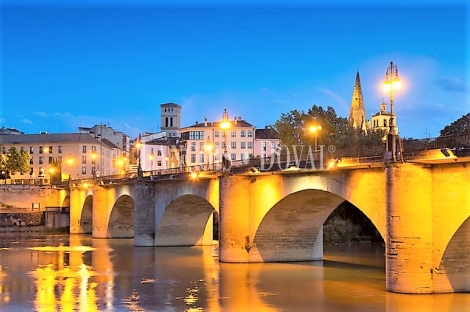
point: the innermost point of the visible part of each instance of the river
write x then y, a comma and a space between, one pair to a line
78, 273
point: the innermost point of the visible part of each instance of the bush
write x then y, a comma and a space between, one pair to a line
338, 230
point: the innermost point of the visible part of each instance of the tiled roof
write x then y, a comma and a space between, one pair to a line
53, 138
266, 134
239, 123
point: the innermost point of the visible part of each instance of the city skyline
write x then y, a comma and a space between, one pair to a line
79, 64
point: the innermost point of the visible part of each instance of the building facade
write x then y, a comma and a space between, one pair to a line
267, 142
204, 144
66, 155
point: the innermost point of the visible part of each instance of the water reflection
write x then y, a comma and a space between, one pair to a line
65, 273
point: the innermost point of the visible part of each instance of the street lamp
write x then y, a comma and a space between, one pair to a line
151, 157
392, 82
138, 145
93, 161
208, 148
315, 129
51, 172
224, 125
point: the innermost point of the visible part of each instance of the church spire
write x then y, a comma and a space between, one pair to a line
357, 114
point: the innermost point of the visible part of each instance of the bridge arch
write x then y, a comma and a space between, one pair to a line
291, 229
86, 216
121, 219
453, 273
186, 221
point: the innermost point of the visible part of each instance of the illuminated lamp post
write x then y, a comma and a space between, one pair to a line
70, 163
51, 172
208, 148
224, 125
315, 129
93, 161
392, 82
151, 158
138, 145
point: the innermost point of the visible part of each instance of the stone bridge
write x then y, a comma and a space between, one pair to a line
421, 210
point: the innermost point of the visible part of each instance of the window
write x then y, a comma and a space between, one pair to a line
93, 149
250, 133
83, 159
242, 145
159, 163
159, 153
217, 157
250, 144
51, 159
84, 149
263, 146
49, 150
59, 149
233, 156
216, 133
83, 170
193, 146
242, 133
59, 159
234, 133
385, 122
41, 160
273, 145
31, 161
193, 158
233, 145
31, 150
201, 158
217, 145
41, 149
243, 156
201, 146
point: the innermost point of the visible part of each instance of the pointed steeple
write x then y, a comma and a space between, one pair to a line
357, 114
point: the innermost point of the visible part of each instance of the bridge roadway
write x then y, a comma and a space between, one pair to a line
421, 209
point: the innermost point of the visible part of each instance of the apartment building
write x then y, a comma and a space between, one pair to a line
266, 143
69, 155
203, 144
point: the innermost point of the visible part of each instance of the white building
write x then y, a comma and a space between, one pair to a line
203, 144
74, 155
266, 142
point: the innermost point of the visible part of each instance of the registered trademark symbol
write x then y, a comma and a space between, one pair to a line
331, 148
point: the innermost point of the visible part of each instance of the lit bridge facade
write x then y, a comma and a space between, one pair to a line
421, 210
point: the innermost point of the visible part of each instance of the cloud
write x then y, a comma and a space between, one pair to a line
26, 121
451, 84
41, 114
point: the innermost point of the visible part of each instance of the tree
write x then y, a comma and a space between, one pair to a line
459, 127
336, 132
17, 161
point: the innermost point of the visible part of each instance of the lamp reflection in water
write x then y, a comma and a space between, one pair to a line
61, 286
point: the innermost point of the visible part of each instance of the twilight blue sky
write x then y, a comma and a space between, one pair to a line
114, 61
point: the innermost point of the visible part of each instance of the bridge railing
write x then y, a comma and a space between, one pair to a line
371, 153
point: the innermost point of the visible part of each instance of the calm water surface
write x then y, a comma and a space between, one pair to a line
78, 273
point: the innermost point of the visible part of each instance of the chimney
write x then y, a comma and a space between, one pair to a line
205, 121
